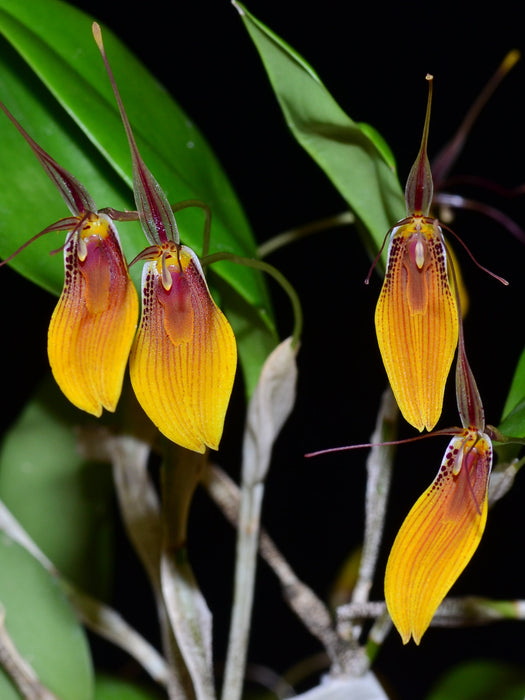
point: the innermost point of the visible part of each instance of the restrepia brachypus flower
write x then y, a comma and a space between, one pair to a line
444, 527
184, 357
416, 316
93, 324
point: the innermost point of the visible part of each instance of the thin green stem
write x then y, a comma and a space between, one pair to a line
207, 219
277, 275
292, 235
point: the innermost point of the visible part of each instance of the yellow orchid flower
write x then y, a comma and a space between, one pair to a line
416, 320
416, 316
439, 535
93, 324
184, 358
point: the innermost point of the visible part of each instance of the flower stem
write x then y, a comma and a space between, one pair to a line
277, 275
283, 239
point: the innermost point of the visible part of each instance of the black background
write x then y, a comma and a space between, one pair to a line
373, 60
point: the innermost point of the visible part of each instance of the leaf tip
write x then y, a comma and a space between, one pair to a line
238, 7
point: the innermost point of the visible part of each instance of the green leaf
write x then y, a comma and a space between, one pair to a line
108, 688
250, 329
355, 158
53, 80
62, 500
42, 626
380, 143
517, 388
483, 679
513, 424
513, 416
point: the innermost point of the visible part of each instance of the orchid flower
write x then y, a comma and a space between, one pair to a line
93, 324
444, 528
183, 359
416, 316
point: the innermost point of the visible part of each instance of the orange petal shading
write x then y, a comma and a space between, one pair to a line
183, 360
417, 320
94, 322
439, 535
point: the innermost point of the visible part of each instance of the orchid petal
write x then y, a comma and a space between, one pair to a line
456, 278
417, 320
183, 360
94, 322
439, 535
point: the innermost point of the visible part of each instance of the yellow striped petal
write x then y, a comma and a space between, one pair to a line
439, 535
183, 360
94, 322
457, 276
417, 320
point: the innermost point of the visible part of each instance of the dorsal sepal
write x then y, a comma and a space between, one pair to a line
419, 189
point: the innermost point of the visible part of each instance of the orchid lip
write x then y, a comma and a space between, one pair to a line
183, 360
440, 534
416, 319
93, 325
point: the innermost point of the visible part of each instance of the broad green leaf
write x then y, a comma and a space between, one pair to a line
513, 424
517, 388
62, 500
513, 416
251, 331
53, 80
483, 679
108, 688
43, 627
354, 156
380, 143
